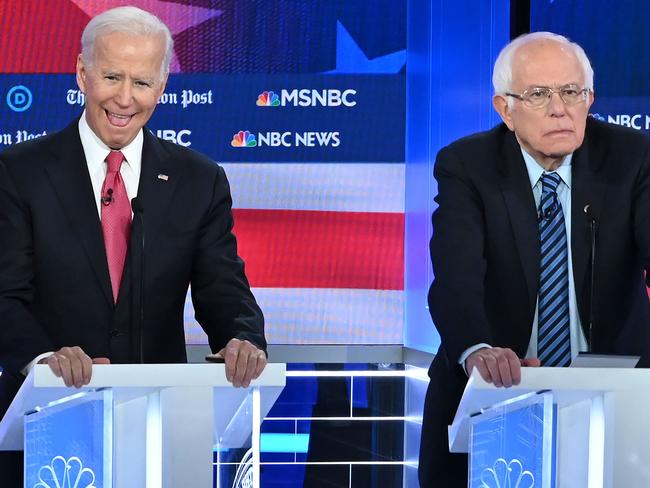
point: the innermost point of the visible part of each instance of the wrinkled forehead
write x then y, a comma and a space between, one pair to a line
138, 54
545, 62
117, 40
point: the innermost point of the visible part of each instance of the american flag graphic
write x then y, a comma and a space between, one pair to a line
324, 249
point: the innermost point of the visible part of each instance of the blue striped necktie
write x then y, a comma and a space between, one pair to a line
553, 336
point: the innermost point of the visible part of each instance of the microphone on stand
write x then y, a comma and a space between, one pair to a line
592, 359
138, 217
593, 230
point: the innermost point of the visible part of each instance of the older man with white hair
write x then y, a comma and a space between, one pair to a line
68, 296
520, 208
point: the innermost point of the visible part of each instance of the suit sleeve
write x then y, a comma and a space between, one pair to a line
223, 302
22, 338
456, 297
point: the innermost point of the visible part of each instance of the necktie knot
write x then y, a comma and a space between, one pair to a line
114, 161
550, 182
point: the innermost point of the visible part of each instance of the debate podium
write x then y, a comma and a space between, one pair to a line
560, 427
140, 425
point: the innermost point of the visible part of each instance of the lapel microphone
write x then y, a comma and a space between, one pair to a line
548, 213
108, 198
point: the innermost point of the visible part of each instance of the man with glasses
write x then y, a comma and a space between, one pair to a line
520, 209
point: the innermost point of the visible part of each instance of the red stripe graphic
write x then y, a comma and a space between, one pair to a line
321, 249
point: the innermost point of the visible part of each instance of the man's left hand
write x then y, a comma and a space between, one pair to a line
244, 362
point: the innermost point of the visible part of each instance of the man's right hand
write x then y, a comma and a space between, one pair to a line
73, 365
497, 365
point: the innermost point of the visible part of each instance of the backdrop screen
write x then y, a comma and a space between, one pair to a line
616, 46
303, 104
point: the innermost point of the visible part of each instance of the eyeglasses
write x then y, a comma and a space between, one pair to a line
540, 96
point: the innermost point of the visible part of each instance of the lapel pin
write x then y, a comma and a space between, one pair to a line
163, 177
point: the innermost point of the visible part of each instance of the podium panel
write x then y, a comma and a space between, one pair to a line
513, 444
599, 416
70, 443
238, 457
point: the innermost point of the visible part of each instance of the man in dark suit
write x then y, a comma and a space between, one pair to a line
69, 250
505, 293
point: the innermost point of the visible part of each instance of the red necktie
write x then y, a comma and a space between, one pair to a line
116, 219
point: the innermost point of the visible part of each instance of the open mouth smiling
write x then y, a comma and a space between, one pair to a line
118, 120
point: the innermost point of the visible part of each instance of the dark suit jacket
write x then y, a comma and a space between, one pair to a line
485, 254
54, 283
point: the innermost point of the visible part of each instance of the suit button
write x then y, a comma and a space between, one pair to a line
116, 332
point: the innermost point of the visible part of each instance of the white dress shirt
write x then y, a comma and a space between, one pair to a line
96, 152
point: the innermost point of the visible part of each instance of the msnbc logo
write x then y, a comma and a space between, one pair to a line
268, 99
308, 97
243, 138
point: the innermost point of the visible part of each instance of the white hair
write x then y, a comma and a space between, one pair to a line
502, 74
131, 20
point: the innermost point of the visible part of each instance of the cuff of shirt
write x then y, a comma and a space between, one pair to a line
25, 371
467, 352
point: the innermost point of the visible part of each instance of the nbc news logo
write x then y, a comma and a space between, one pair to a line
635, 121
244, 138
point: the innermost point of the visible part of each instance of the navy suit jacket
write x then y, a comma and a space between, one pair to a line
485, 253
54, 282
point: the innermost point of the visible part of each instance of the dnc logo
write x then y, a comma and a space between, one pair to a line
243, 138
268, 99
19, 98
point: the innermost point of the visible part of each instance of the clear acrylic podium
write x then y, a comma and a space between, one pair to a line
560, 427
140, 425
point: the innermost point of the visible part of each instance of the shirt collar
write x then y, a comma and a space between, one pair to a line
535, 171
96, 151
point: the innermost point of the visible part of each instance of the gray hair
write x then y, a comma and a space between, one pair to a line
131, 20
502, 74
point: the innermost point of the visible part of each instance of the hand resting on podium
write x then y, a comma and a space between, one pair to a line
244, 363
73, 365
497, 365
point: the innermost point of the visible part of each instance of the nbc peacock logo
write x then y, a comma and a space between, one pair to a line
65, 473
243, 138
504, 474
268, 99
